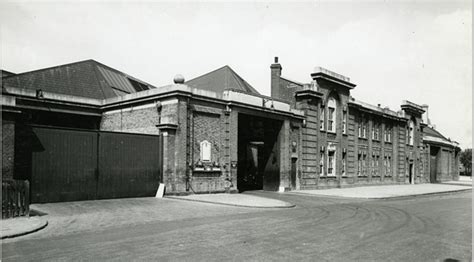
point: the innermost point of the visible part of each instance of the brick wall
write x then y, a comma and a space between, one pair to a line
210, 124
207, 127
131, 120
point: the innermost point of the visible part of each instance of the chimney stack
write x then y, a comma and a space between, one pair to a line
275, 78
425, 115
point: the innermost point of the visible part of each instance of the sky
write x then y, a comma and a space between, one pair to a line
393, 50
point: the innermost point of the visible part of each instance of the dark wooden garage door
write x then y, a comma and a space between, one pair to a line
129, 165
71, 165
63, 165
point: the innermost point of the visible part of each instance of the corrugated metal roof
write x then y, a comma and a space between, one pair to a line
87, 78
116, 81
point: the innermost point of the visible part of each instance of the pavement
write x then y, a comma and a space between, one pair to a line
388, 191
239, 200
19, 226
463, 181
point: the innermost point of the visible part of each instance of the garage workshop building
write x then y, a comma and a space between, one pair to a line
85, 131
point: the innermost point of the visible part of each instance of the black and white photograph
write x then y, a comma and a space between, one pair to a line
236, 130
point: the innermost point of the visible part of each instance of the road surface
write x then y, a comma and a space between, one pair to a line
428, 228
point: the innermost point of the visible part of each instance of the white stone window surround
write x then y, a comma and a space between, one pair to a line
332, 113
331, 160
322, 112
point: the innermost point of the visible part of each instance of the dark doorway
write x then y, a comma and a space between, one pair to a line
293, 173
433, 163
411, 173
258, 153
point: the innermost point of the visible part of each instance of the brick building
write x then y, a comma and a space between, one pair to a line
215, 133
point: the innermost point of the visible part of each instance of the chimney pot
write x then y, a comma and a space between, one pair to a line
276, 59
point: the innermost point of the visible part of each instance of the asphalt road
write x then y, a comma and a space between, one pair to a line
429, 228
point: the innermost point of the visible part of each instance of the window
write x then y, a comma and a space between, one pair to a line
411, 132
388, 133
373, 165
389, 165
343, 171
331, 164
321, 164
364, 165
331, 115
359, 128
364, 129
321, 118
375, 131
359, 164
344, 122
137, 85
385, 164
377, 160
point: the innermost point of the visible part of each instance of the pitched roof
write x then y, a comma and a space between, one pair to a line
432, 135
430, 131
221, 79
87, 78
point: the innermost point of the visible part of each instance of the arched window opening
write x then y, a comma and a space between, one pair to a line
411, 132
331, 115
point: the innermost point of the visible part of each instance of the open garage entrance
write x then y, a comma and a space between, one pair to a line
258, 153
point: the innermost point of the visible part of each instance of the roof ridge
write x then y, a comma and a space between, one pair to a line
99, 78
120, 72
248, 86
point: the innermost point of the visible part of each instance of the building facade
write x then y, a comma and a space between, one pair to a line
219, 134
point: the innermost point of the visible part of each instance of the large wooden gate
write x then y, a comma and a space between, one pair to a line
129, 165
71, 165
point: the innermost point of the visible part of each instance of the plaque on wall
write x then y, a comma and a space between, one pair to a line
205, 148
